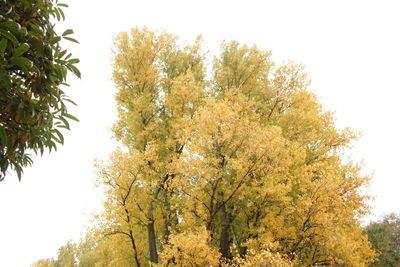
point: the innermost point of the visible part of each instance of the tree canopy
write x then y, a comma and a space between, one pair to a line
384, 236
33, 71
233, 163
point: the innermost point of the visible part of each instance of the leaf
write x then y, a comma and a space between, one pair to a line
3, 45
56, 138
62, 53
19, 171
68, 32
71, 39
41, 148
52, 144
62, 4
23, 32
35, 69
70, 101
9, 36
69, 116
73, 61
21, 49
60, 136
28, 160
5, 81
4, 165
74, 70
55, 39
61, 13
66, 123
55, 11
10, 25
23, 62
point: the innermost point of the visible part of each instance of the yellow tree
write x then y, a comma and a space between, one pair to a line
123, 214
160, 85
228, 149
264, 166
248, 154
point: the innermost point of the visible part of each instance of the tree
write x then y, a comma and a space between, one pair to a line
239, 166
44, 263
82, 254
33, 69
248, 154
151, 119
263, 166
384, 236
66, 257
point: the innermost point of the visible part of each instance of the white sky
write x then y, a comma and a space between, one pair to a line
350, 48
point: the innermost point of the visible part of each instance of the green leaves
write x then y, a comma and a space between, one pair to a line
73, 61
23, 63
68, 32
33, 67
9, 36
19, 171
3, 45
69, 116
70, 101
384, 236
65, 125
59, 138
74, 70
10, 25
55, 40
71, 39
21, 49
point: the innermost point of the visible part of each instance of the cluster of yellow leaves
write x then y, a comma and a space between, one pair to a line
263, 258
190, 248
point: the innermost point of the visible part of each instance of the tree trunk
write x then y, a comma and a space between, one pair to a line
152, 242
134, 248
224, 242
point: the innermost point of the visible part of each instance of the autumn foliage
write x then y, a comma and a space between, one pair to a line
224, 162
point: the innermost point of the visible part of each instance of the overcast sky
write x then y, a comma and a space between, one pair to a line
351, 50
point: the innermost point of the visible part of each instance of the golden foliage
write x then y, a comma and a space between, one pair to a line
190, 249
218, 165
263, 258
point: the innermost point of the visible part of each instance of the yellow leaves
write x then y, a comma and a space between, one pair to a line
240, 66
260, 259
134, 58
190, 248
289, 79
115, 251
136, 75
181, 103
184, 96
245, 164
260, 252
250, 155
320, 215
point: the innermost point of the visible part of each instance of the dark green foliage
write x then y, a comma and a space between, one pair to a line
384, 236
33, 67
